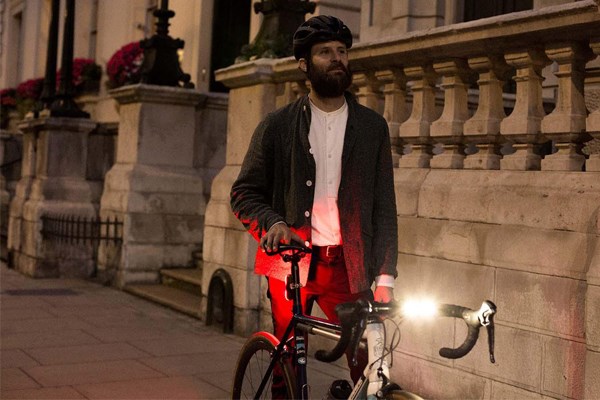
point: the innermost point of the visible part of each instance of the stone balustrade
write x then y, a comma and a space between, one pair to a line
477, 57
497, 192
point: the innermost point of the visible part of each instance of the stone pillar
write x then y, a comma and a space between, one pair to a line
567, 122
395, 111
227, 244
523, 126
415, 130
483, 129
53, 182
153, 187
448, 129
368, 93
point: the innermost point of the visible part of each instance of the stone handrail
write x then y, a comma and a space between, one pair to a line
400, 77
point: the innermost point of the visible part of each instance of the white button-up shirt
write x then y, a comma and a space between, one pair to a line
326, 137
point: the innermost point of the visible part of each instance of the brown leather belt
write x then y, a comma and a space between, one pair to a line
327, 251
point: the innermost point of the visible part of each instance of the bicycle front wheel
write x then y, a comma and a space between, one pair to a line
252, 366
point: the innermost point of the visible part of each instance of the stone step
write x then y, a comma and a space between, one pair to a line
174, 298
186, 279
189, 275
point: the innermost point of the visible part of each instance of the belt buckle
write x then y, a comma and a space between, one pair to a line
330, 252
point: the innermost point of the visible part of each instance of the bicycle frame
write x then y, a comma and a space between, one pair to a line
373, 378
309, 323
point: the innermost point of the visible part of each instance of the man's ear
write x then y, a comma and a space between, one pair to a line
302, 65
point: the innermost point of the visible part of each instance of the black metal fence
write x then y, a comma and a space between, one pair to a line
73, 229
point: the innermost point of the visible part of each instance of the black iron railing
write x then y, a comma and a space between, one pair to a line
81, 230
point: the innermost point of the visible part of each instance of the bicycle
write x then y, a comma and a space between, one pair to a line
263, 351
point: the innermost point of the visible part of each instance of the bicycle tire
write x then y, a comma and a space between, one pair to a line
402, 395
252, 364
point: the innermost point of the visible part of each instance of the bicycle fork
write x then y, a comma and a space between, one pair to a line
376, 374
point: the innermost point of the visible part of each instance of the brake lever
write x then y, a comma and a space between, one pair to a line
490, 333
486, 318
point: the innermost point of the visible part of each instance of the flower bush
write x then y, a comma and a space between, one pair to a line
8, 98
86, 75
123, 68
30, 89
8, 102
28, 93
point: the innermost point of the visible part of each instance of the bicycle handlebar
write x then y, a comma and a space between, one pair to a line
353, 321
474, 319
294, 248
354, 316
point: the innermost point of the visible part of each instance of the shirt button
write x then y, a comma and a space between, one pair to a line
309, 183
307, 214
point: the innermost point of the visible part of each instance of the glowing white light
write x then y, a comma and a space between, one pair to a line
419, 308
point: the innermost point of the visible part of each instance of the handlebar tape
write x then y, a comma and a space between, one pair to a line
290, 247
470, 318
349, 314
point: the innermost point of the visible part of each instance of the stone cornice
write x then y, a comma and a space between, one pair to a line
57, 124
572, 21
143, 93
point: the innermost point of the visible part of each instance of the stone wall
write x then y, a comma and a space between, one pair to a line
494, 202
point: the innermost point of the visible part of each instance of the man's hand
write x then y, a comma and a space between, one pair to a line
383, 294
279, 233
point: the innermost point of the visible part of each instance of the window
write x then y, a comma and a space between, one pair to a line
231, 30
476, 9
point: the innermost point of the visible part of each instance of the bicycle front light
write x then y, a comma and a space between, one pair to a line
419, 308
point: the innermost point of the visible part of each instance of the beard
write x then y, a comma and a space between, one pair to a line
326, 84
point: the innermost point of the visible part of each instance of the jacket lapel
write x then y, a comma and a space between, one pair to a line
303, 133
351, 132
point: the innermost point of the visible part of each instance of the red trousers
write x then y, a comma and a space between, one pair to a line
327, 286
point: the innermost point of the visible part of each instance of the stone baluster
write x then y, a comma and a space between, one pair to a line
415, 130
395, 111
368, 93
566, 124
299, 88
483, 128
448, 129
288, 92
523, 126
593, 123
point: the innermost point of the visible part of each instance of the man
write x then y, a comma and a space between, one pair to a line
319, 172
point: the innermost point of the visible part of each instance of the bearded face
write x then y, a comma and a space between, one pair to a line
329, 77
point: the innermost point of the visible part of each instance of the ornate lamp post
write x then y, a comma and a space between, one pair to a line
161, 61
282, 18
63, 104
49, 89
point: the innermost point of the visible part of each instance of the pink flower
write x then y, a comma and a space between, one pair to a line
30, 89
124, 66
8, 97
84, 69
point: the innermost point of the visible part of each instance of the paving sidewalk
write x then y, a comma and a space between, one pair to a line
75, 339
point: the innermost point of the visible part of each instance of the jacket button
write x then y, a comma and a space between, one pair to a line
309, 183
307, 214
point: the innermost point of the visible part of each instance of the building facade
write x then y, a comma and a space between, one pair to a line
494, 120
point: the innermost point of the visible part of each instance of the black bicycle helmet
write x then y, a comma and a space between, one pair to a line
322, 28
